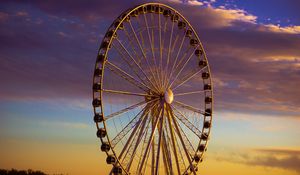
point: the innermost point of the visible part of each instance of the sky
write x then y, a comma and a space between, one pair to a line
47, 55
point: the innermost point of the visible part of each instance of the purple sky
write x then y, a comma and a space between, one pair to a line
48, 50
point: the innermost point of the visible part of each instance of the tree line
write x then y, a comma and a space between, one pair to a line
21, 172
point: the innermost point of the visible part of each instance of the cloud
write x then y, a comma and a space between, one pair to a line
276, 151
22, 14
186, 2
3, 16
214, 16
93, 11
235, 15
195, 2
289, 163
254, 68
63, 34
288, 159
288, 29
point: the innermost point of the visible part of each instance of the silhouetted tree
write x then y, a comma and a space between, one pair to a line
20, 172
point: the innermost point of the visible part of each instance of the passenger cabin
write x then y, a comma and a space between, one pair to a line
101, 133
117, 170
97, 87
201, 147
189, 33
98, 118
181, 24
208, 100
205, 75
98, 72
110, 159
202, 63
198, 52
96, 102
207, 87
105, 147
206, 124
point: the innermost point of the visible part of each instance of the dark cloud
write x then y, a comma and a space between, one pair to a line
255, 69
93, 10
289, 162
46, 60
287, 159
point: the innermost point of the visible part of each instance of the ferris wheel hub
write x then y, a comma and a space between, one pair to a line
169, 96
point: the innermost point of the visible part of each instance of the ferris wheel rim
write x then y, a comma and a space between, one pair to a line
123, 16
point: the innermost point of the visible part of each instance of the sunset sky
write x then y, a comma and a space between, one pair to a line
47, 53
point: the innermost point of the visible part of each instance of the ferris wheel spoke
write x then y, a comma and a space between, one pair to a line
144, 144
110, 116
143, 46
181, 160
132, 152
136, 120
176, 58
167, 147
187, 123
142, 133
120, 72
149, 37
133, 133
126, 93
150, 141
129, 153
143, 72
173, 139
160, 48
182, 142
166, 155
180, 164
154, 144
137, 40
163, 47
190, 149
183, 66
144, 167
162, 42
156, 61
169, 70
157, 64
131, 41
143, 53
186, 78
168, 56
192, 92
188, 107
166, 164
128, 62
187, 142
174, 44
151, 42
178, 64
160, 130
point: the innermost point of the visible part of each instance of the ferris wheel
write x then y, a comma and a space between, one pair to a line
152, 93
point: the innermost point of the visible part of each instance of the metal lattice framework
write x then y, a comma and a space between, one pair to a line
152, 93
